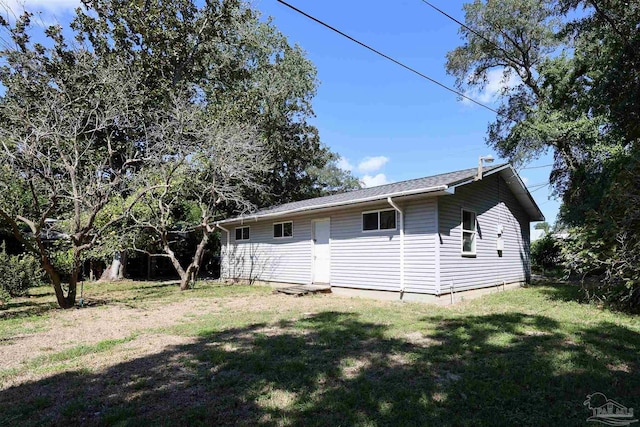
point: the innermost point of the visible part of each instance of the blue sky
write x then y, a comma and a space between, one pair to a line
387, 123
375, 113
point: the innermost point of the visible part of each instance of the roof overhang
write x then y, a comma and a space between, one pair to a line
517, 187
507, 172
432, 191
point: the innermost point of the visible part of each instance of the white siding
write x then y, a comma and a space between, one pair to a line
263, 257
371, 260
365, 260
494, 204
419, 246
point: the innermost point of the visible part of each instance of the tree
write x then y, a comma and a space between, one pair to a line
543, 226
60, 112
245, 74
578, 95
196, 164
245, 69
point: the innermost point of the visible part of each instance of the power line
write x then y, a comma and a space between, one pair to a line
377, 52
539, 187
462, 24
537, 167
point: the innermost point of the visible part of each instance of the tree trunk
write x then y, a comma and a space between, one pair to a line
116, 270
194, 267
64, 301
184, 275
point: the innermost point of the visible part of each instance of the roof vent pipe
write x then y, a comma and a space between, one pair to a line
488, 159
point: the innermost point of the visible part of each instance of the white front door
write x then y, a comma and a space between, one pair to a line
321, 253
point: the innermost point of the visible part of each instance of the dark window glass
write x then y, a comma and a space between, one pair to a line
287, 229
468, 232
387, 220
277, 230
242, 233
370, 221
468, 221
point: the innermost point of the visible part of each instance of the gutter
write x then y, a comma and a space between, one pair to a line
401, 212
228, 250
443, 187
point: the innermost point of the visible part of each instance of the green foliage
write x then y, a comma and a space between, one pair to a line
545, 253
607, 246
543, 226
62, 258
17, 274
243, 68
578, 96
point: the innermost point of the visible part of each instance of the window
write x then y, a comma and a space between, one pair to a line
283, 229
242, 233
379, 220
468, 233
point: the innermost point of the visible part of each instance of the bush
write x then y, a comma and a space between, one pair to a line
546, 254
17, 274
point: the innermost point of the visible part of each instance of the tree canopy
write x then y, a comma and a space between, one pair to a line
161, 104
576, 94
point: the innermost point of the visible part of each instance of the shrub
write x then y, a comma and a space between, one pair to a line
546, 254
17, 274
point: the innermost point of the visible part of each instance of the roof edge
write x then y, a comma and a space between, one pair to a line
337, 204
539, 216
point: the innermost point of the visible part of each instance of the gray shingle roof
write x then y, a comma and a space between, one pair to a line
372, 193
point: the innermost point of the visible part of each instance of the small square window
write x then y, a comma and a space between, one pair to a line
283, 229
387, 220
287, 229
242, 233
370, 221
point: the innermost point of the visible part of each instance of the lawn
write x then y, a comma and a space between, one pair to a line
148, 354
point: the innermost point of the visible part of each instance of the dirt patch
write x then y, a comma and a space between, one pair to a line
70, 328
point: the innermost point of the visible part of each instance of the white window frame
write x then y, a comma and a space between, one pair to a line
236, 233
378, 230
283, 236
474, 232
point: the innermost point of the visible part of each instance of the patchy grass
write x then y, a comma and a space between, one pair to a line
238, 355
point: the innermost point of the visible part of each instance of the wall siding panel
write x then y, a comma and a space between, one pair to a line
371, 260
494, 204
364, 260
265, 258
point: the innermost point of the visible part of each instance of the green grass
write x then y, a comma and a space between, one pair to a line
76, 352
526, 357
13, 327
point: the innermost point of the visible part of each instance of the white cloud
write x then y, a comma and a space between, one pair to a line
372, 164
495, 86
372, 181
344, 164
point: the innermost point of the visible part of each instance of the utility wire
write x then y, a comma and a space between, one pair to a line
413, 70
377, 52
462, 24
537, 167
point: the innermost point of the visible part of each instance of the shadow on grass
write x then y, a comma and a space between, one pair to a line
25, 308
560, 291
335, 369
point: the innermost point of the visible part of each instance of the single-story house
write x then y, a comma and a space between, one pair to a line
421, 239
